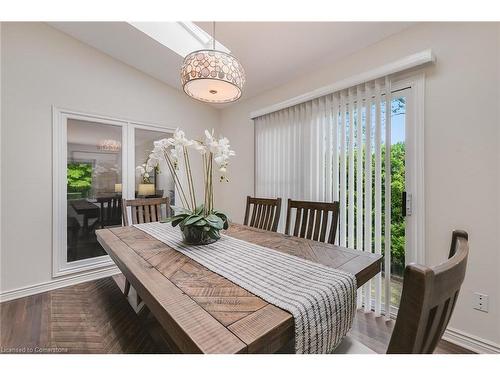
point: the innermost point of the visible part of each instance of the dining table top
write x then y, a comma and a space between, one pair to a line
203, 312
82, 206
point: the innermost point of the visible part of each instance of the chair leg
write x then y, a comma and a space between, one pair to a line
127, 288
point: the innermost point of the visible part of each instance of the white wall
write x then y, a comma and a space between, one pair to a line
42, 67
462, 147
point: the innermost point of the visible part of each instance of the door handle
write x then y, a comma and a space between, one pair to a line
403, 203
406, 204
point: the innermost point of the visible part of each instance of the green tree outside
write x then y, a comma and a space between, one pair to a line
79, 178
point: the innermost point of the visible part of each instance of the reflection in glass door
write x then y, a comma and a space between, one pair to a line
151, 183
94, 185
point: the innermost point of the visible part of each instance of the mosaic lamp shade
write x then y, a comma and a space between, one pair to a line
212, 76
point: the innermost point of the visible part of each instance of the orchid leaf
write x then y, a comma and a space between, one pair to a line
190, 220
214, 234
200, 223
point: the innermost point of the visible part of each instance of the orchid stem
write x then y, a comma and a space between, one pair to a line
189, 178
177, 182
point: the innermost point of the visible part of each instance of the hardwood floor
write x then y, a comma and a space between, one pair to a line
92, 317
95, 317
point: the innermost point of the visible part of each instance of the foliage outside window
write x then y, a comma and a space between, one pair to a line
79, 177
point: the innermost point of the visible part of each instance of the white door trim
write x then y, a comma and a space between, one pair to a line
415, 223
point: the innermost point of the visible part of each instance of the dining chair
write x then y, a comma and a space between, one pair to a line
311, 220
143, 210
427, 302
265, 213
110, 211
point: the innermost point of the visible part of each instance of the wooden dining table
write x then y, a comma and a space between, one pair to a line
201, 311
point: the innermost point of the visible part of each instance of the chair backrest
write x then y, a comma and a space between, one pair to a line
144, 210
311, 220
428, 299
265, 214
110, 210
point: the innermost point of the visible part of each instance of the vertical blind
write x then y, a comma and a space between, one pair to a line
335, 148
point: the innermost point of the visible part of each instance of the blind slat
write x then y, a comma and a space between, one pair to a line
378, 195
387, 237
359, 180
350, 175
343, 171
368, 189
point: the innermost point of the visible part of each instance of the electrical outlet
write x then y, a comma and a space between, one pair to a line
480, 302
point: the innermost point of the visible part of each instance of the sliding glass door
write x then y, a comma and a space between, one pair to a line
97, 161
361, 146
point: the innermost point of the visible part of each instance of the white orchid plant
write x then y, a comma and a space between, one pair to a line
175, 151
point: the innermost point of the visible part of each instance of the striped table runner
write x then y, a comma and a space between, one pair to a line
321, 299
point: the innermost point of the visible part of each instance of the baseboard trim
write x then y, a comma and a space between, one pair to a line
471, 342
60, 282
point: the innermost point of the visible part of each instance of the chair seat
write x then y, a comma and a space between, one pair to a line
350, 345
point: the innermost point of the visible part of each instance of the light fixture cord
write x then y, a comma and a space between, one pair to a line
213, 34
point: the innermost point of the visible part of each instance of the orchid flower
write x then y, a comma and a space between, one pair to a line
200, 147
179, 139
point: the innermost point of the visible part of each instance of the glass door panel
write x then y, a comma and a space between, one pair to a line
398, 187
151, 183
94, 185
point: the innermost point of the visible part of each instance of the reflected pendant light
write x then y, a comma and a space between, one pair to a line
212, 76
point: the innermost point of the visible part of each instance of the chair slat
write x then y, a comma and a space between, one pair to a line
254, 210
272, 212
134, 215
262, 216
151, 209
298, 219
310, 225
303, 226
440, 321
317, 224
324, 224
140, 214
266, 218
257, 217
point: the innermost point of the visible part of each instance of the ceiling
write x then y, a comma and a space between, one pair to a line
272, 53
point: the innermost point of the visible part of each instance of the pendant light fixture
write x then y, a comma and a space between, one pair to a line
212, 76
